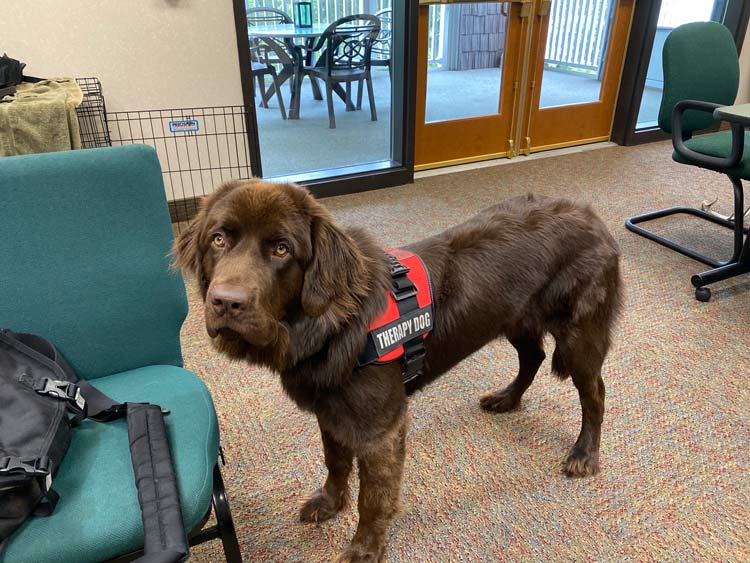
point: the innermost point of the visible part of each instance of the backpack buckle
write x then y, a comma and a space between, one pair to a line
64, 390
37, 466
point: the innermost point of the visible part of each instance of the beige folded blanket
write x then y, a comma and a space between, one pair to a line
41, 117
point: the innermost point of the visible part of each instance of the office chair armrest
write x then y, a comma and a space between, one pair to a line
720, 164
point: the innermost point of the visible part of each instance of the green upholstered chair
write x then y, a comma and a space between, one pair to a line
701, 76
84, 254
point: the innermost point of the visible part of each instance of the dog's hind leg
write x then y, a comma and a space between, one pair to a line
530, 357
326, 502
582, 357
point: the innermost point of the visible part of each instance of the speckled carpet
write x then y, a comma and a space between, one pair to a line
674, 485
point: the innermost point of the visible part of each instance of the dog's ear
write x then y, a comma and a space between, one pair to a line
186, 251
336, 278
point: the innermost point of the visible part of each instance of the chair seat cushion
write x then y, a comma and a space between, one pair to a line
719, 144
98, 516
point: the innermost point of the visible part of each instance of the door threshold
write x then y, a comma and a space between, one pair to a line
501, 161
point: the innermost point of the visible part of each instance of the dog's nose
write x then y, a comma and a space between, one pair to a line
228, 299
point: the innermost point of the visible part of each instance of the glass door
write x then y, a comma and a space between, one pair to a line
467, 80
579, 48
512, 77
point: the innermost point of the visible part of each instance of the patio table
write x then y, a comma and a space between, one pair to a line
288, 32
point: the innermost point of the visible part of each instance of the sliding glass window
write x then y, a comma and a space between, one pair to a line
673, 13
328, 85
643, 77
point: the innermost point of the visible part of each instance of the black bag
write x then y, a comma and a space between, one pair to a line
11, 71
42, 400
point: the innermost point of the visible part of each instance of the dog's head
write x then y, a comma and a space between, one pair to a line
267, 255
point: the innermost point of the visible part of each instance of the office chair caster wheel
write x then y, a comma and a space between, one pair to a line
702, 294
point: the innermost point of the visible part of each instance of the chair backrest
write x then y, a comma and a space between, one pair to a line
262, 16
381, 48
85, 241
267, 50
348, 42
700, 63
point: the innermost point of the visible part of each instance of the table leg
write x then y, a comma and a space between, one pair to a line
299, 61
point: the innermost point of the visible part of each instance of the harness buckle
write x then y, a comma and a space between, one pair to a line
413, 364
405, 293
403, 288
397, 268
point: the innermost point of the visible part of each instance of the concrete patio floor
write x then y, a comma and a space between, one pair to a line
307, 144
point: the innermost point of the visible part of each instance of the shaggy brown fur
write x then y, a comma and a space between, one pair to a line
287, 288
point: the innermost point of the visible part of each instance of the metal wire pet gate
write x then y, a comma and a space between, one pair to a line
198, 148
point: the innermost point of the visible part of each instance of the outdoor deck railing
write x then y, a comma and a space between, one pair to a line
578, 31
326, 11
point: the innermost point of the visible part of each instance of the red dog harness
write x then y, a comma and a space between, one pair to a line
399, 332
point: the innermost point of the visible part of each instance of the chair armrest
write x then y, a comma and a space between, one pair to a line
714, 162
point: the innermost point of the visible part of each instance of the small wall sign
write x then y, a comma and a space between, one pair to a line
184, 126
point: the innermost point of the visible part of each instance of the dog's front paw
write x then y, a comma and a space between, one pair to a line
321, 506
499, 401
358, 554
581, 463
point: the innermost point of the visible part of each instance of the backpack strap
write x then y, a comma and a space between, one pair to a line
164, 534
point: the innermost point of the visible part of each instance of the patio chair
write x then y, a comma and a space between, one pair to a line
85, 265
266, 53
381, 49
701, 74
346, 57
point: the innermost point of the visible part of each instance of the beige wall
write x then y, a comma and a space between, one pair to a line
148, 54
743, 95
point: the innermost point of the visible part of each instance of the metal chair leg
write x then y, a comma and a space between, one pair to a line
738, 264
224, 520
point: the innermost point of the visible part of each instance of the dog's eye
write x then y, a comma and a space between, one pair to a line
218, 240
281, 250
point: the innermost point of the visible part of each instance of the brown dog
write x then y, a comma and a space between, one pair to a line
287, 288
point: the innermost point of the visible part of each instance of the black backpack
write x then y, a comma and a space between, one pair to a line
42, 400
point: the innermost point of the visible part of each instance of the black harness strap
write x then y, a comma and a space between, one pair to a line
405, 294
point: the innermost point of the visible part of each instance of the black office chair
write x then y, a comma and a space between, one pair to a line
266, 53
346, 57
701, 74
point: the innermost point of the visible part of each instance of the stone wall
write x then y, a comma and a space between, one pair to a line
481, 36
